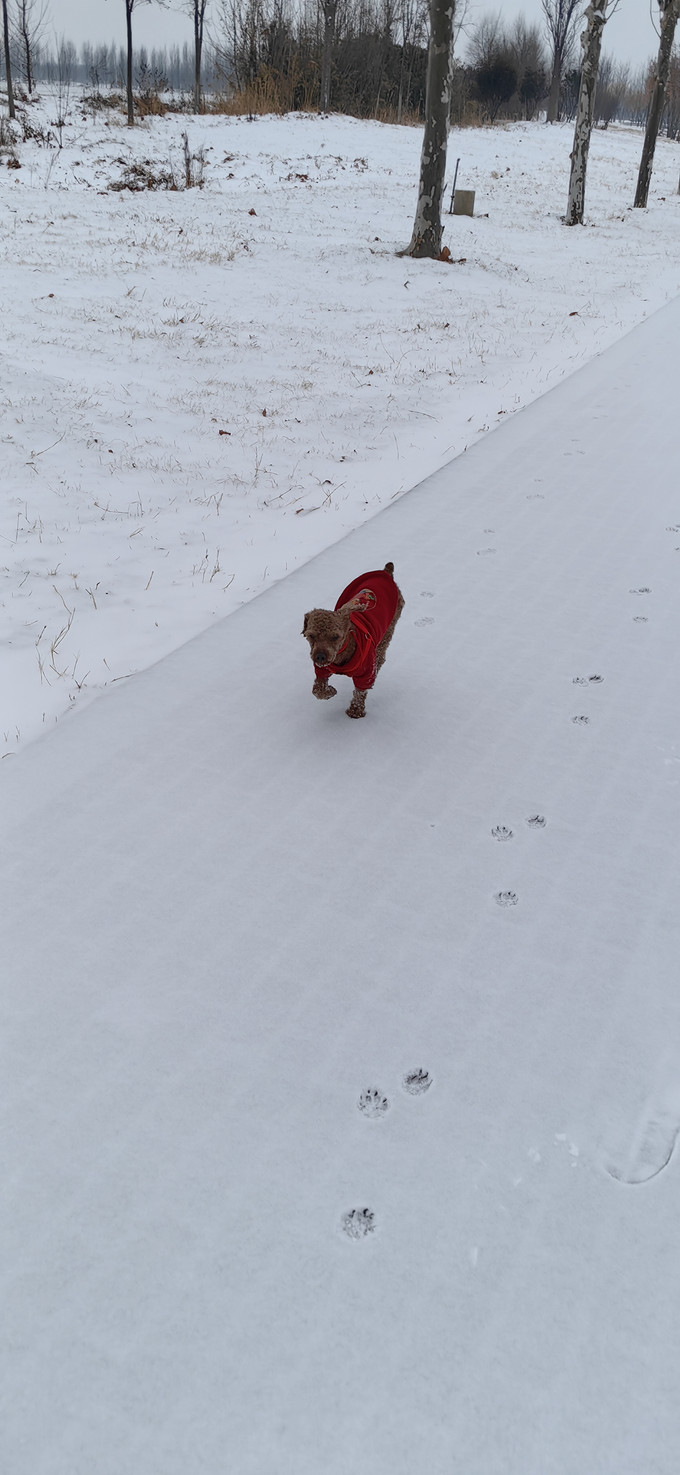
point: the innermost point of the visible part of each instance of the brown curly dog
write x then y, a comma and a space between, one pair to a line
352, 639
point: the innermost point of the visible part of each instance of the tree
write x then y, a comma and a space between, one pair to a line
8, 61
527, 50
411, 21
29, 23
561, 19
613, 86
199, 8
329, 13
427, 227
596, 17
196, 9
669, 10
486, 40
673, 98
496, 82
129, 7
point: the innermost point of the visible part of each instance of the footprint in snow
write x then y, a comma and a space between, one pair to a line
426, 594
482, 552
372, 1103
506, 898
426, 620
581, 721
587, 680
536, 822
654, 1140
644, 590
501, 832
416, 1082
358, 1223
640, 620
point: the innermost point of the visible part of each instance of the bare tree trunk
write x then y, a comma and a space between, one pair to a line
400, 99
8, 61
197, 62
329, 11
24, 33
591, 40
561, 19
427, 228
29, 64
553, 108
670, 10
199, 22
130, 100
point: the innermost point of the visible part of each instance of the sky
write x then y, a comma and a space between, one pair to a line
629, 36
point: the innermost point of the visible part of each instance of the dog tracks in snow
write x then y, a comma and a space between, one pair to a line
358, 1223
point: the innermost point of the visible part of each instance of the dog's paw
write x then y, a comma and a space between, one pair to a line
356, 712
324, 691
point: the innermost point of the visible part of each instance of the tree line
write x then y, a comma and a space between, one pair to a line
369, 56
363, 57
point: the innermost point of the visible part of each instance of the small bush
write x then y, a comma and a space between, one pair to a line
150, 107
98, 102
141, 177
183, 172
8, 143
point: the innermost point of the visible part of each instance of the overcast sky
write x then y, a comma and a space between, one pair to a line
629, 35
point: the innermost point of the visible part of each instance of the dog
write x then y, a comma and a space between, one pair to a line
352, 639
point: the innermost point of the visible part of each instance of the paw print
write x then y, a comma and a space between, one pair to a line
501, 832
372, 1103
358, 1223
536, 822
416, 1082
506, 898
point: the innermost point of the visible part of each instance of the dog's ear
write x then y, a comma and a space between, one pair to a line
304, 624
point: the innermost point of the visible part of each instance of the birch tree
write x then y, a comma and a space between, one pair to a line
8, 61
669, 10
427, 227
561, 19
596, 16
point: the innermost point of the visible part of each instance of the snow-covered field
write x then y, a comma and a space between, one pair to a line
201, 389
340, 1061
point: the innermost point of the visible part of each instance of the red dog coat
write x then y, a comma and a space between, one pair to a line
374, 598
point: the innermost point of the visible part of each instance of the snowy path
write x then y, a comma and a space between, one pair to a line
229, 913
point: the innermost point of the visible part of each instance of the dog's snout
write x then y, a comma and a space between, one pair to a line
320, 657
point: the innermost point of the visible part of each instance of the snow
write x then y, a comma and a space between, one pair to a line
236, 924
147, 492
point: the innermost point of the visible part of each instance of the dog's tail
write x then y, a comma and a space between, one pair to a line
389, 569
